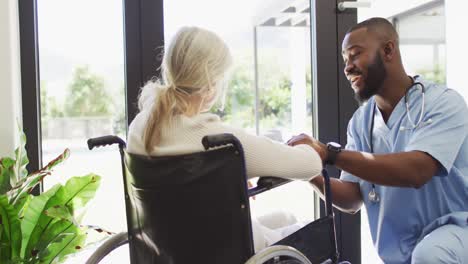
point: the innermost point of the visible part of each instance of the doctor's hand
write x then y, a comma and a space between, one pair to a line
308, 140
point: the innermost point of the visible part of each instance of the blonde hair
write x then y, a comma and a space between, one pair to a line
193, 69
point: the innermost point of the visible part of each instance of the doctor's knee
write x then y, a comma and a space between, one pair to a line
433, 254
440, 246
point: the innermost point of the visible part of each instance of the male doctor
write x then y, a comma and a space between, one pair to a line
406, 157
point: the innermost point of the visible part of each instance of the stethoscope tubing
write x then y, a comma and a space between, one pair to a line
373, 195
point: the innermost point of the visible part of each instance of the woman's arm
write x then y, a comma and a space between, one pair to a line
265, 157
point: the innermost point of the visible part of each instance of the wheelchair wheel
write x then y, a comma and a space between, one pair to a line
290, 261
278, 255
107, 247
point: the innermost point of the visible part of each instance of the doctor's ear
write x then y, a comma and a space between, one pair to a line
389, 50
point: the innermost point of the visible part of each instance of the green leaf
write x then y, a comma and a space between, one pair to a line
75, 193
95, 234
55, 230
60, 212
24, 205
59, 159
6, 172
66, 243
43, 230
79, 190
21, 160
11, 234
4, 246
28, 183
31, 218
18, 193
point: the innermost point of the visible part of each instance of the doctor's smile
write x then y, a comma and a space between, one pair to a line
356, 82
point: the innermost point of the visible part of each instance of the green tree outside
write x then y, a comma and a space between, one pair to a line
275, 95
87, 95
49, 106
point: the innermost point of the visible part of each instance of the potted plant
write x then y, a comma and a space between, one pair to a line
42, 228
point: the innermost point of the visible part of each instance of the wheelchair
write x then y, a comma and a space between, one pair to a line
194, 208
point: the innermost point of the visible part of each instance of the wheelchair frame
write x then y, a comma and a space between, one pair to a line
263, 184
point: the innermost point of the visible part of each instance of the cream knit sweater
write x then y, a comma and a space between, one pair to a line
263, 157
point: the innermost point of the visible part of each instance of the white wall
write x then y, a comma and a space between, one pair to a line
387, 8
456, 37
9, 76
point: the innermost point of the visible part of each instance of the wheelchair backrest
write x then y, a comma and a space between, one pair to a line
190, 208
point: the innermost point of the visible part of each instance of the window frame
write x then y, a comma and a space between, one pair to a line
335, 102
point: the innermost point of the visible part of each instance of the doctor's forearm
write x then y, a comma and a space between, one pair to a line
346, 196
405, 169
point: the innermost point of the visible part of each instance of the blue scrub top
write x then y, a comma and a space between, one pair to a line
403, 216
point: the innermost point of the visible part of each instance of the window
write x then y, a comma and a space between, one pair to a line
269, 92
82, 96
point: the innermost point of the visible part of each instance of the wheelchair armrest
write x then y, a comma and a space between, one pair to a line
267, 183
107, 247
217, 140
277, 251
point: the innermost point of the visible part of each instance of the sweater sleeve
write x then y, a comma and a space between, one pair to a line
265, 157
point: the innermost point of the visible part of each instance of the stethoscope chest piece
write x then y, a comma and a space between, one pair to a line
373, 196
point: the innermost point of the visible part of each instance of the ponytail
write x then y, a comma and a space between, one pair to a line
163, 104
160, 104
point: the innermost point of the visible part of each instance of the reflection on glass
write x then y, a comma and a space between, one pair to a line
269, 91
284, 81
82, 96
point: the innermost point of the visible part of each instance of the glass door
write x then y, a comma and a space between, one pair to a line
81, 55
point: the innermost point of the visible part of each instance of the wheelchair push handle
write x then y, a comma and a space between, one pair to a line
104, 141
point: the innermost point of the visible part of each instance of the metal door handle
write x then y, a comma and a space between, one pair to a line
342, 6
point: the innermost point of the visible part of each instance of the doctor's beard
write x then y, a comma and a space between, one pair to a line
376, 74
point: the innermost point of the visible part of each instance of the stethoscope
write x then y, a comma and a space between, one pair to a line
373, 195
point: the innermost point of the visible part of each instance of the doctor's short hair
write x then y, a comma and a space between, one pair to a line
381, 27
